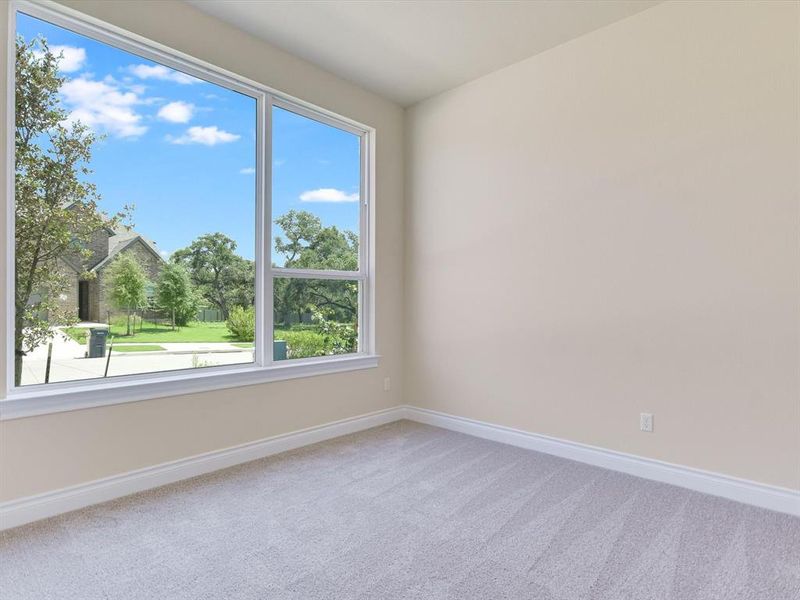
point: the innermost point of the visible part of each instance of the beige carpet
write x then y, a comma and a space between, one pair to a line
408, 511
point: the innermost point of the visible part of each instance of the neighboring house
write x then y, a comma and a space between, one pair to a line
88, 296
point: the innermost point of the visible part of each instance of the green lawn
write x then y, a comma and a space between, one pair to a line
193, 332
141, 348
301, 341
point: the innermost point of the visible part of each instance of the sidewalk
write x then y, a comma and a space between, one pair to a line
185, 347
68, 362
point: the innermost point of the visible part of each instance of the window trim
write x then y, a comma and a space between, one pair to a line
38, 399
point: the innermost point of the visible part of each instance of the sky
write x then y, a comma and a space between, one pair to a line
183, 150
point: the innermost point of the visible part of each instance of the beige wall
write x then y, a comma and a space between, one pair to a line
48, 452
611, 227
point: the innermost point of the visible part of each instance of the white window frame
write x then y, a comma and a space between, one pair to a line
362, 274
40, 399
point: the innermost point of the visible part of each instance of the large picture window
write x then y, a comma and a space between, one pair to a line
170, 219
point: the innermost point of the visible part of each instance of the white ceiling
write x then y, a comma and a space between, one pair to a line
412, 49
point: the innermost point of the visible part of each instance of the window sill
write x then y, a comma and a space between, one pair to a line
23, 402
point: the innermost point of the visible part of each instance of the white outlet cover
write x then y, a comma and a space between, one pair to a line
646, 422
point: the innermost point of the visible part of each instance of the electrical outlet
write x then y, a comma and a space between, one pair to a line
387, 384
646, 422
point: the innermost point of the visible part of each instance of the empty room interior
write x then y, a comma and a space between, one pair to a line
455, 299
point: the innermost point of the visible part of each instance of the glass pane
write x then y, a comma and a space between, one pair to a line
316, 179
135, 213
314, 317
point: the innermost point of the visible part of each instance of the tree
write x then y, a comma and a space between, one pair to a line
306, 244
309, 245
127, 285
242, 323
224, 278
175, 293
55, 206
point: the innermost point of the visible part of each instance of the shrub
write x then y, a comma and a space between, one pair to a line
242, 323
302, 344
340, 338
304, 327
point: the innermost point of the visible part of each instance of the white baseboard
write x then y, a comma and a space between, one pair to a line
32, 508
741, 490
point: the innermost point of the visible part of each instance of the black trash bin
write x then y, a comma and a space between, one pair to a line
97, 342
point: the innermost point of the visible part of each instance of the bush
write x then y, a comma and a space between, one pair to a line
302, 344
242, 323
303, 327
340, 338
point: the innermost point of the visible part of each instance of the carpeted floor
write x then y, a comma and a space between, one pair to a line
407, 511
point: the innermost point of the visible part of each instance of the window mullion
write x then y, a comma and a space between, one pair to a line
316, 274
265, 227
364, 288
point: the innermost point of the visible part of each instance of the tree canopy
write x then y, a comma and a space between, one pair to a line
307, 244
175, 294
223, 278
55, 207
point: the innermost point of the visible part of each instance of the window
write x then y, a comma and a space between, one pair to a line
174, 226
317, 215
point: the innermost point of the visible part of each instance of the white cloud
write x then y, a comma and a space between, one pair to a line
103, 106
162, 73
150, 100
176, 112
328, 195
71, 59
208, 136
247, 171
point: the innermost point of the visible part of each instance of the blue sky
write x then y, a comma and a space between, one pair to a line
183, 150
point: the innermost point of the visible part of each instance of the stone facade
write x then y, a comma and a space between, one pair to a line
151, 263
104, 245
98, 246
